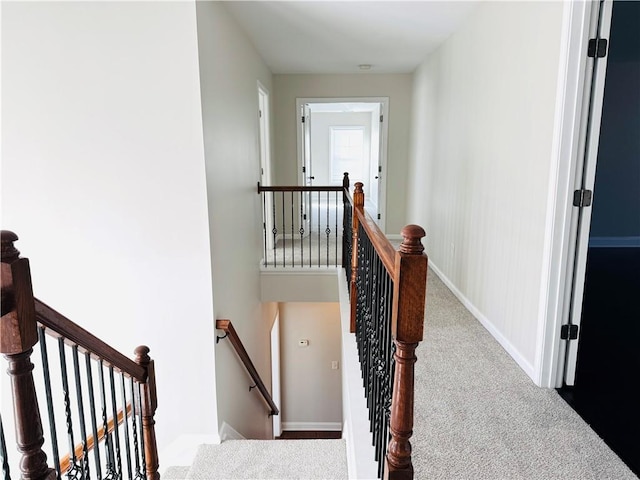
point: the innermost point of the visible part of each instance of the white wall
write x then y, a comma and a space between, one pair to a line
397, 87
230, 71
103, 180
311, 389
481, 150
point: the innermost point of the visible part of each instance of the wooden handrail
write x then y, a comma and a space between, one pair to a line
21, 314
57, 325
65, 462
227, 327
299, 188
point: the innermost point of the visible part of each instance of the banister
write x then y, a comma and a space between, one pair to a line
65, 462
58, 325
299, 188
227, 327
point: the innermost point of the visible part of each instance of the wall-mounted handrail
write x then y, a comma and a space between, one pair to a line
227, 327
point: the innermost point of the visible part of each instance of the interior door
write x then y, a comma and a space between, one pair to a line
307, 168
606, 351
600, 25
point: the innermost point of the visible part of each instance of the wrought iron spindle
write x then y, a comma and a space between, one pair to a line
75, 471
327, 231
336, 228
264, 227
134, 429
301, 231
144, 455
84, 461
293, 250
125, 428
92, 408
47, 383
284, 230
319, 249
116, 434
110, 470
274, 229
6, 474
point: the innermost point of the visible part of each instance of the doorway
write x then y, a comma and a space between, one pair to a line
602, 361
338, 135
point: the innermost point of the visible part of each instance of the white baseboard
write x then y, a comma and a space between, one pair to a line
508, 346
227, 432
320, 426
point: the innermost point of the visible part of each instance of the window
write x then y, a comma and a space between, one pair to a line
347, 153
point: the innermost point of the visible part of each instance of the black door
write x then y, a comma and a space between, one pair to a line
608, 362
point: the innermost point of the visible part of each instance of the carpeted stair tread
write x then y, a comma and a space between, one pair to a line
175, 473
271, 459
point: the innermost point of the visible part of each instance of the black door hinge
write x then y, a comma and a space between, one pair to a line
304, 169
381, 118
379, 217
304, 217
303, 119
597, 48
569, 332
582, 198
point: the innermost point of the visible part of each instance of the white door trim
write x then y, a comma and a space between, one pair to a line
566, 174
384, 101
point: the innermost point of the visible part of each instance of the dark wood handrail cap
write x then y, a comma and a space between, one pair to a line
9, 253
142, 355
412, 235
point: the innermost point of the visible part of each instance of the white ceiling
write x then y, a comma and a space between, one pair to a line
335, 37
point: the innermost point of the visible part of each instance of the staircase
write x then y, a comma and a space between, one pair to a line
266, 459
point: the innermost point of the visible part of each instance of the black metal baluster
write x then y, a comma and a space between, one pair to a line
301, 232
6, 474
274, 230
111, 473
84, 461
92, 408
47, 384
319, 229
336, 234
134, 428
264, 227
116, 434
125, 424
144, 455
74, 472
293, 249
327, 230
284, 233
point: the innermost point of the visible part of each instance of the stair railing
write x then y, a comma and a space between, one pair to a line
303, 225
387, 291
115, 429
230, 332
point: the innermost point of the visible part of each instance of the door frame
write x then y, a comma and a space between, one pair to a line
384, 135
563, 263
264, 153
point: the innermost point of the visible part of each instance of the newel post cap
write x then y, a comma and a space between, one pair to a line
8, 251
142, 355
412, 236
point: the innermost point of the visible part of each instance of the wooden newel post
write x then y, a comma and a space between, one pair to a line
358, 204
149, 402
18, 335
407, 330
